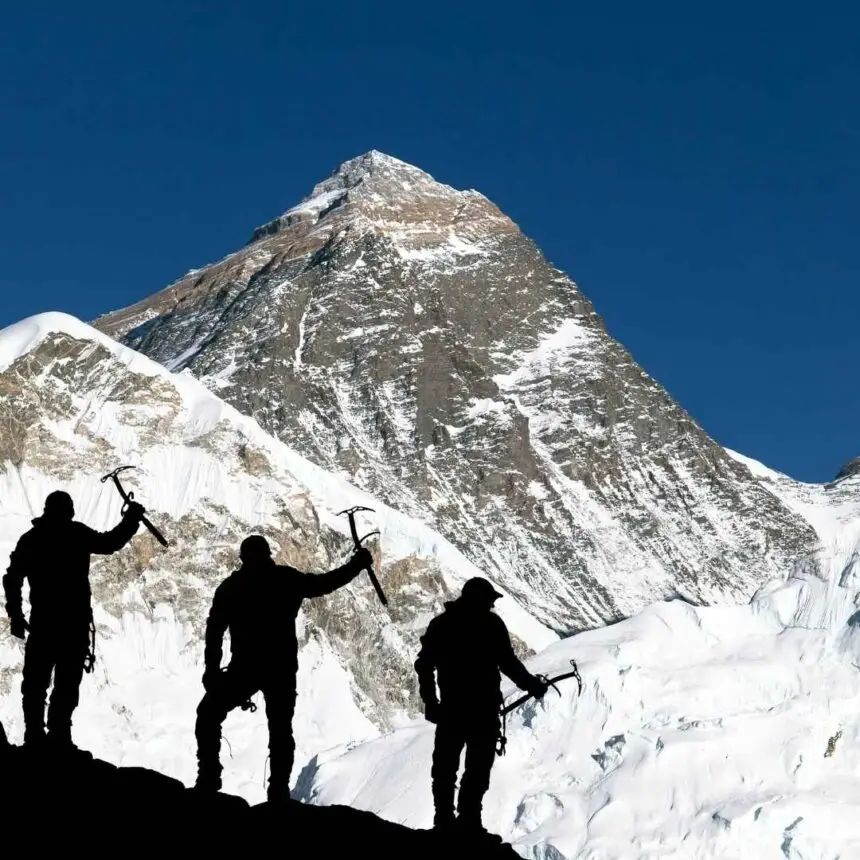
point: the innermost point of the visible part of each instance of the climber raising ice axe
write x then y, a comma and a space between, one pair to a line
350, 512
127, 498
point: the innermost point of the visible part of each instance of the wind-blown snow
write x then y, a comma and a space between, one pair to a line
316, 204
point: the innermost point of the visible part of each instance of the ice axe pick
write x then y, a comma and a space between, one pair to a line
129, 497
350, 512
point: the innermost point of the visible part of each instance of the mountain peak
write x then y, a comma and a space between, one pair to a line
849, 469
375, 162
408, 335
21, 337
384, 190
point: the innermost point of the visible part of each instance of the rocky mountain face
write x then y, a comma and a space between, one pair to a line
408, 337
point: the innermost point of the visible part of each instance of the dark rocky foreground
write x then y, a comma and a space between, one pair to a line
65, 803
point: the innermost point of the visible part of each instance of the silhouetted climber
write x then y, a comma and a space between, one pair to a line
258, 604
54, 556
464, 649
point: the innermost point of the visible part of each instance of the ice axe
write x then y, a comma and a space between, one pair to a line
129, 497
550, 682
350, 512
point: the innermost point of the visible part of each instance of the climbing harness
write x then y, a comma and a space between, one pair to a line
502, 741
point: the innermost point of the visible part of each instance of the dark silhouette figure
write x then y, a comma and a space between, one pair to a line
464, 649
54, 556
259, 604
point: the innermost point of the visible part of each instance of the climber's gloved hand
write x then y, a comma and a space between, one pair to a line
362, 559
210, 679
19, 628
135, 511
538, 688
432, 712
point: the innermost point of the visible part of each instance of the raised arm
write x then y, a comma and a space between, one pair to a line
318, 584
106, 543
511, 665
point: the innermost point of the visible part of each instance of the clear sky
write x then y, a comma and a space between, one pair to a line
693, 167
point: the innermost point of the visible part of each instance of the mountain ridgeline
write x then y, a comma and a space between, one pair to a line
408, 337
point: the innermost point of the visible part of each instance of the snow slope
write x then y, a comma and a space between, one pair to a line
700, 733
76, 404
831, 509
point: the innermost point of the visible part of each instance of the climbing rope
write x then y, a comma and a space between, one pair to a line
90, 660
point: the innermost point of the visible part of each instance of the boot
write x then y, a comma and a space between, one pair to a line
34, 721
278, 792
207, 784
61, 744
208, 779
443, 803
280, 766
470, 820
60, 740
34, 739
470, 825
444, 821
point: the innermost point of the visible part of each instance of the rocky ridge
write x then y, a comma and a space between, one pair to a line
68, 792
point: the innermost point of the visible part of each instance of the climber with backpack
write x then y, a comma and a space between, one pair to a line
54, 557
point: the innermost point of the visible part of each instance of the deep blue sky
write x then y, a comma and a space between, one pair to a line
693, 168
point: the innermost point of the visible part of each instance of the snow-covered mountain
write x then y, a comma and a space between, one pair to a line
74, 405
407, 336
397, 343
700, 733
728, 732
